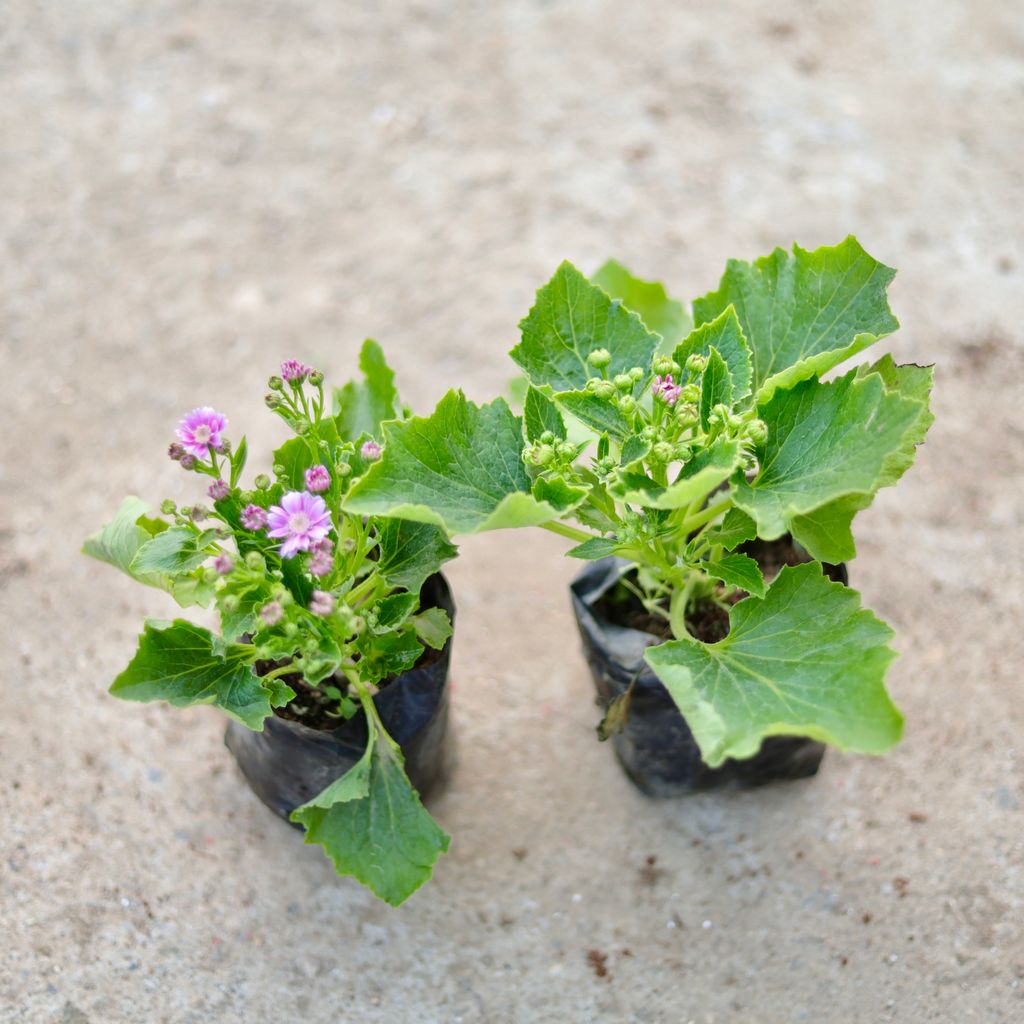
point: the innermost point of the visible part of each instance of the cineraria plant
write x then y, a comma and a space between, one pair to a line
310, 598
672, 442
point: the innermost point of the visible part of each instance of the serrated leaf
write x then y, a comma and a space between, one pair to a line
372, 825
807, 660
570, 319
394, 609
596, 547
648, 299
825, 441
737, 570
699, 477
715, 386
725, 334
597, 413
410, 553
460, 468
361, 406
733, 530
241, 619
173, 552
803, 312
185, 664
540, 414
558, 495
433, 627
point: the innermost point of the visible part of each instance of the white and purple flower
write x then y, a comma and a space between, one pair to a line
666, 390
371, 451
321, 603
318, 479
301, 521
253, 517
218, 490
295, 372
200, 430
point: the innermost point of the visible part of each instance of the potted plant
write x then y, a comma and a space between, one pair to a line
710, 476
335, 629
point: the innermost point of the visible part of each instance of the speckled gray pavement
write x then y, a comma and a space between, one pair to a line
192, 191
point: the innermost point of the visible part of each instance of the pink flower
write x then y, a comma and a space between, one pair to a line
322, 561
253, 517
218, 490
321, 603
200, 429
370, 451
272, 613
223, 564
302, 519
664, 389
317, 479
295, 372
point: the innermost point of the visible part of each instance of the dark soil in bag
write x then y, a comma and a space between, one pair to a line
656, 747
290, 762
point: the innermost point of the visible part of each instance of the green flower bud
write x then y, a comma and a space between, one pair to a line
263, 482
279, 470
636, 374
285, 597
687, 413
229, 602
735, 422
757, 431
348, 545
547, 437
696, 363
541, 454
302, 426
665, 364
255, 561
663, 451
316, 378
197, 513
604, 389
343, 469
719, 415
600, 357
290, 629
168, 507
358, 625
649, 433
683, 452
604, 466
565, 449
275, 383
627, 404
623, 382
273, 401
690, 393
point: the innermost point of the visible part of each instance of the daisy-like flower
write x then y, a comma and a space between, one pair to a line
317, 479
301, 520
253, 517
218, 490
370, 451
666, 390
200, 429
295, 372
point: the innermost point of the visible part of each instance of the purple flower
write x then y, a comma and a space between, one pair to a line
317, 479
272, 613
175, 451
218, 490
187, 461
200, 429
295, 372
321, 603
322, 561
302, 519
224, 564
370, 451
666, 390
253, 517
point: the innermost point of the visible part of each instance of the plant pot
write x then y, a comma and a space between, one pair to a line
288, 763
656, 747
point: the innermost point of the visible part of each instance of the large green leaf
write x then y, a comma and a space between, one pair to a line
806, 660
699, 477
825, 441
174, 551
597, 413
738, 570
410, 552
827, 532
725, 334
372, 825
541, 415
460, 468
803, 312
570, 319
185, 664
715, 386
647, 299
361, 406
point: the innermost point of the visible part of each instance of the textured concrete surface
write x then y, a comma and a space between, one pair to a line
192, 191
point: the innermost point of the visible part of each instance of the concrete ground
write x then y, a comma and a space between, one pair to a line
192, 191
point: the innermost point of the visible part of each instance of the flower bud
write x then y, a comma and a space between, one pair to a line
198, 513
290, 629
218, 490
348, 545
370, 450
271, 613
279, 470
303, 426
690, 393
695, 363
230, 602
168, 507
275, 383
683, 452
358, 625
649, 433
547, 437
263, 482
719, 415
623, 382
636, 374
542, 454
757, 431
224, 564
686, 414
663, 451
665, 364
273, 401
255, 562
175, 451
187, 461
627, 404
343, 469
565, 449
316, 378
604, 389
600, 357
224, 448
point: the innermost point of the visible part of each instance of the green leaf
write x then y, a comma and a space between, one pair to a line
597, 413
460, 468
394, 609
433, 627
647, 299
634, 449
570, 319
296, 457
384, 654
803, 312
699, 477
825, 441
540, 414
733, 530
173, 552
185, 664
361, 407
806, 660
242, 618
737, 570
715, 388
826, 532
372, 825
725, 334
596, 547
238, 459
411, 552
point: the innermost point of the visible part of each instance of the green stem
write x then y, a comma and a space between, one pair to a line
569, 531
712, 512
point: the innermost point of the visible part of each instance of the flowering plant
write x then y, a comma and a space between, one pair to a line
318, 606
674, 447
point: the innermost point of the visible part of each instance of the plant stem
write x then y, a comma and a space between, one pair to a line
711, 512
568, 531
